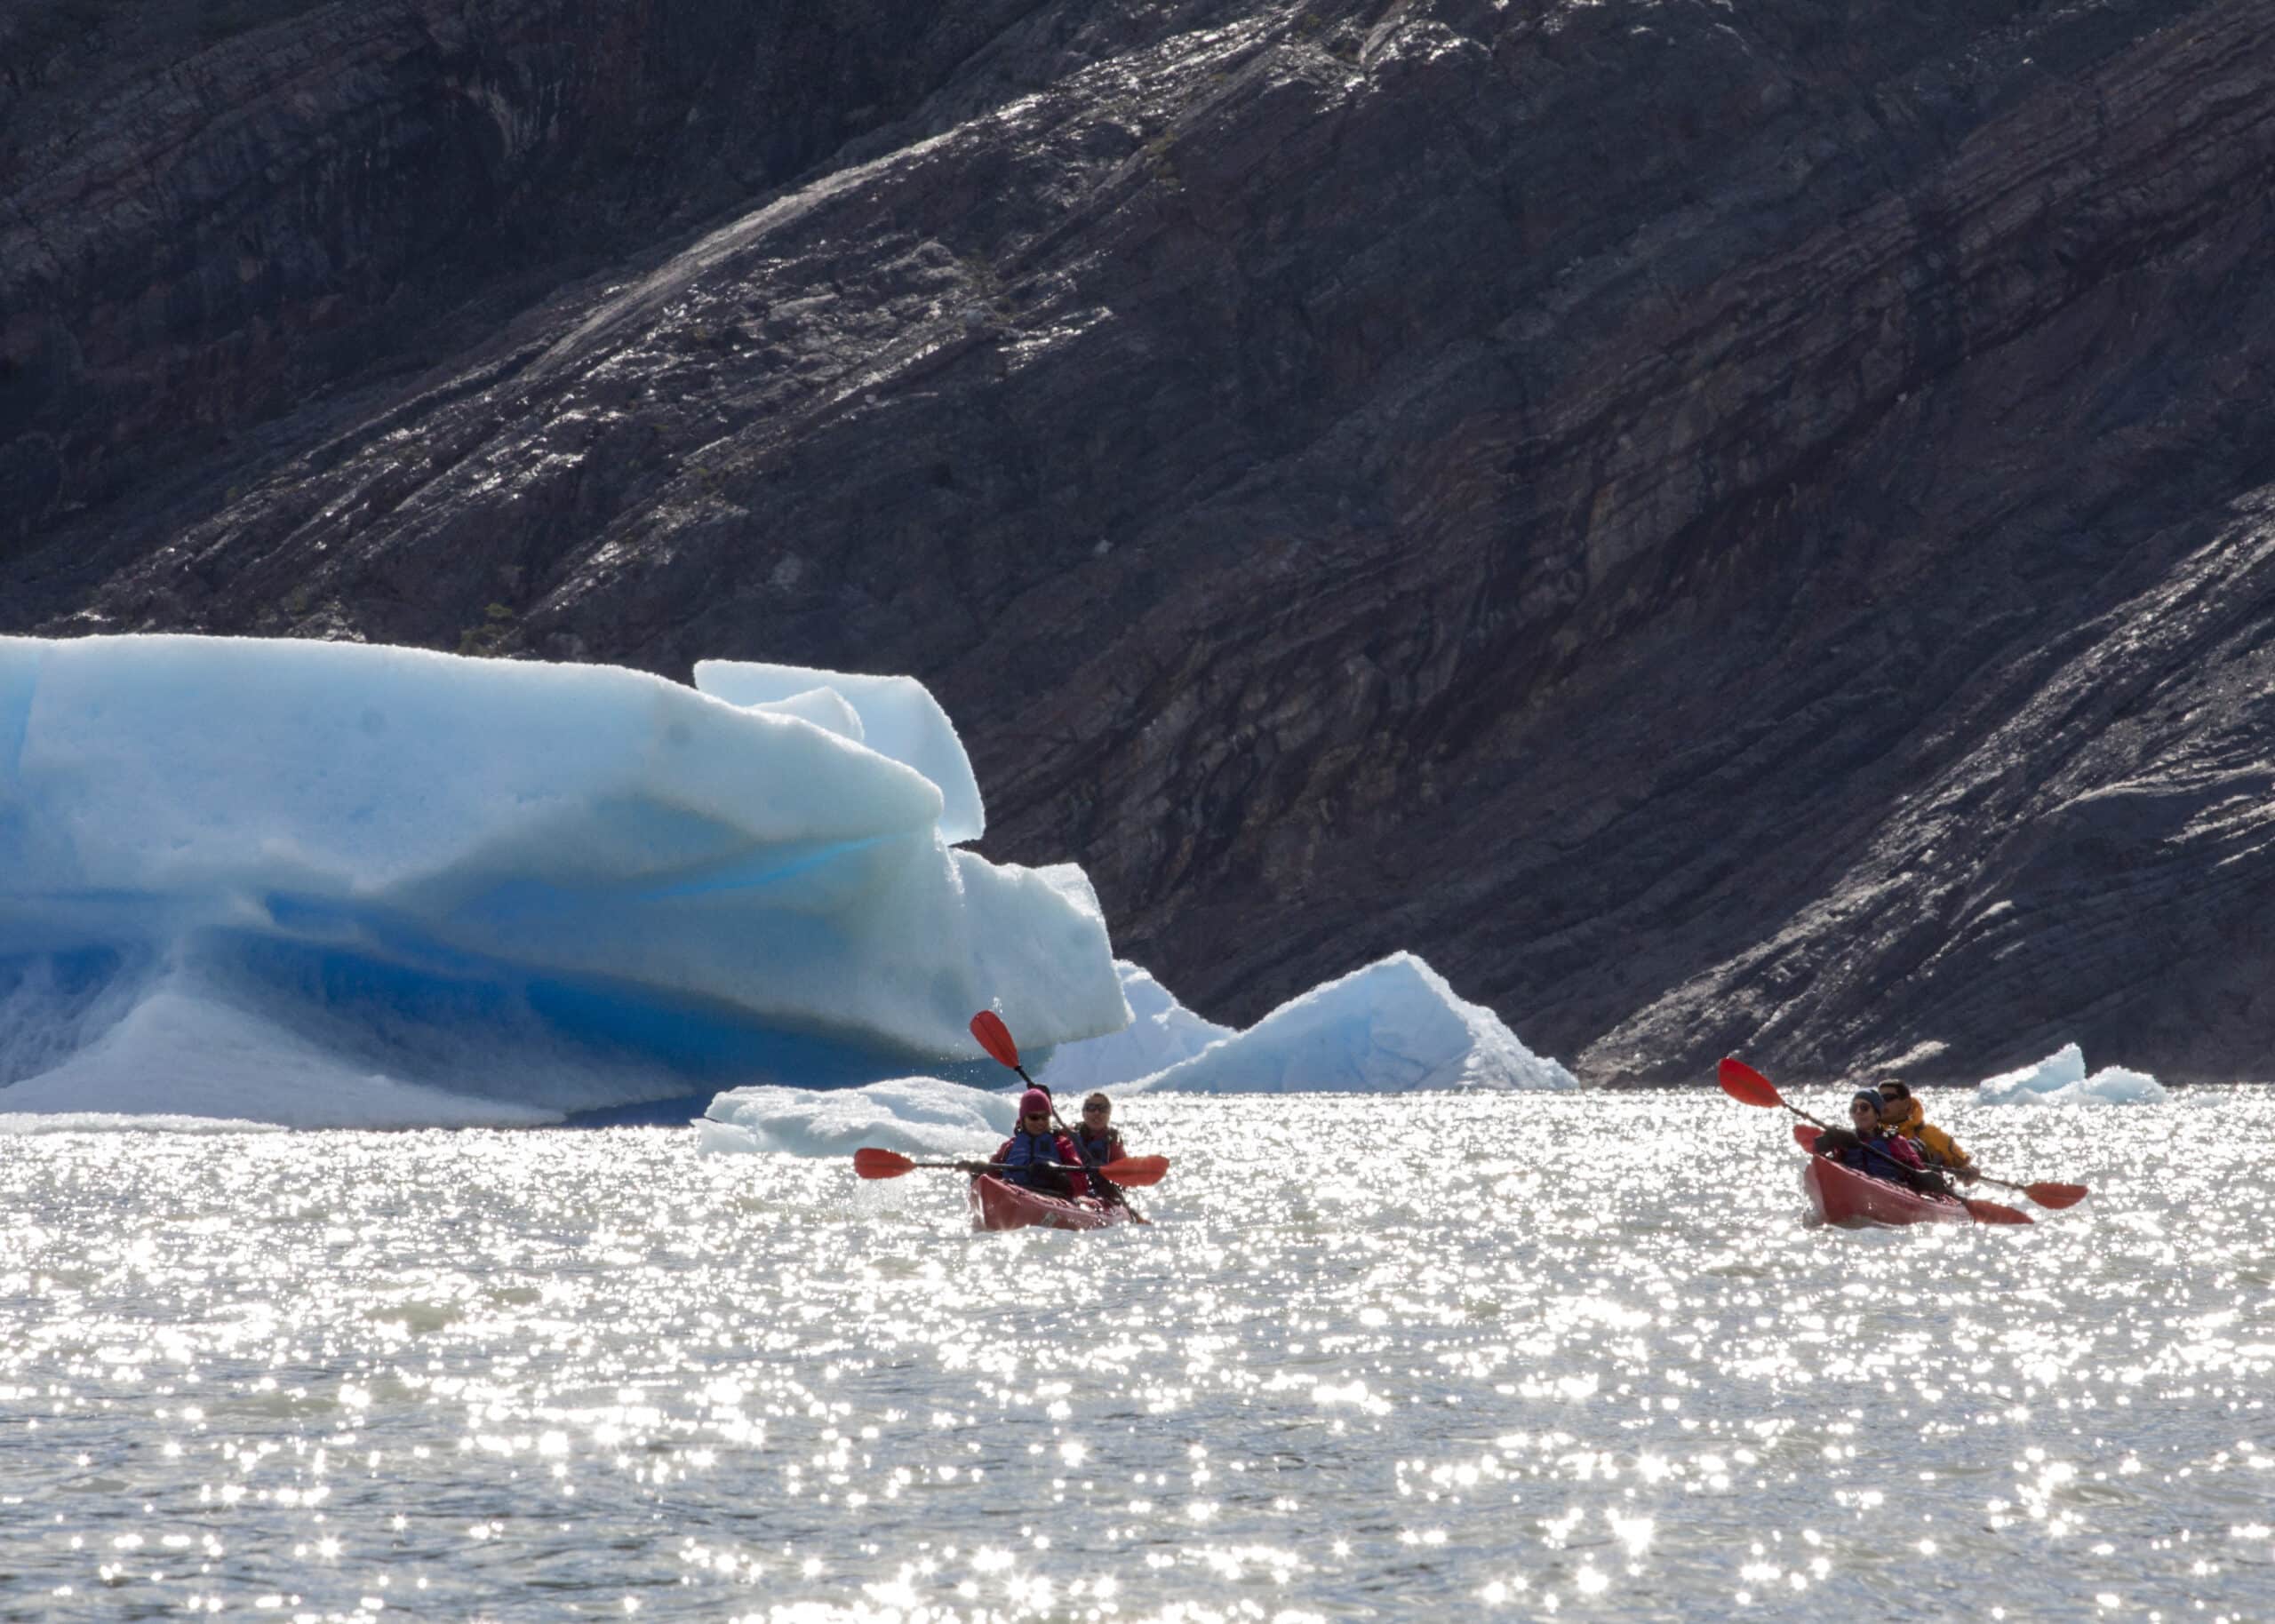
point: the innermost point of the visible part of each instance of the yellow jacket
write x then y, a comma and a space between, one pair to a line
1936, 1144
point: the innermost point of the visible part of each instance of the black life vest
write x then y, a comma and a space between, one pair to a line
1866, 1156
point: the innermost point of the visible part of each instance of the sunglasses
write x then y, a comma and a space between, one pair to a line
1098, 1110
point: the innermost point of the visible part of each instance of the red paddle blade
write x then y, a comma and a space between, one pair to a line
995, 1037
1746, 1085
871, 1163
2056, 1196
1990, 1211
1805, 1137
1137, 1172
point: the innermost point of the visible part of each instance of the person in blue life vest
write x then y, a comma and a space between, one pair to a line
1100, 1142
1868, 1146
1037, 1156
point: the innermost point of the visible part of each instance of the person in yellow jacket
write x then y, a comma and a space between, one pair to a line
1900, 1113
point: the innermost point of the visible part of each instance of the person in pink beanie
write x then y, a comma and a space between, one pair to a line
1037, 1156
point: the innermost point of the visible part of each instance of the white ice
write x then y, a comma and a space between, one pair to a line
2061, 1079
898, 718
1162, 1033
917, 1116
1393, 1027
325, 883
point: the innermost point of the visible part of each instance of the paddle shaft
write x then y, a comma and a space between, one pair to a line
997, 1039
1005, 1166
1088, 1165
1980, 1211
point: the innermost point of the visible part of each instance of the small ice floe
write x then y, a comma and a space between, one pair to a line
917, 1116
2061, 1079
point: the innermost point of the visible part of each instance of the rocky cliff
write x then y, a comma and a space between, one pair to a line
1722, 527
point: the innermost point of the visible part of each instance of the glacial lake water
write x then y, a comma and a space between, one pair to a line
1521, 1356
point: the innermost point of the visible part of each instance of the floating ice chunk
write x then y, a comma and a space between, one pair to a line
900, 719
400, 876
1162, 1033
918, 1116
2066, 1067
2116, 1086
2061, 1079
1393, 1027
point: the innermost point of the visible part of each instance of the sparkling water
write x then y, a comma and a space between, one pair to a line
1522, 1356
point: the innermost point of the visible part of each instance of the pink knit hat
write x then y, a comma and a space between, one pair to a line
1035, 1102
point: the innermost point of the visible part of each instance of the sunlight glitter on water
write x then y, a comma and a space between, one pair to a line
1536, 1355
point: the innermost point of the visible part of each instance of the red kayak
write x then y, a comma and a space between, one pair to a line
1843, 1195
998, 1206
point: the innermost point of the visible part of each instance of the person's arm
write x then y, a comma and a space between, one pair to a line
1078, 1181
1955, 1157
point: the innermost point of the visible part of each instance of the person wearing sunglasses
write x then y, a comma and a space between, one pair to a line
1902, 1114
1100, 1142
1867, 1147
1037, 1156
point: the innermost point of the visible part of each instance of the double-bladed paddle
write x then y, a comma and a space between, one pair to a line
1748, 1086
1741, 1082
1136, 1171
995, 1037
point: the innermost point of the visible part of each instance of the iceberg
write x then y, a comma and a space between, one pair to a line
338, 884
1161, 1031
2061, 1079
1394, 1027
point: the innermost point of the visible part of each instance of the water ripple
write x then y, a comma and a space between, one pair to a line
1528, 1355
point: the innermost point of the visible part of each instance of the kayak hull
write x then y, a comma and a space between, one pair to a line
998, 1206
1844, 1196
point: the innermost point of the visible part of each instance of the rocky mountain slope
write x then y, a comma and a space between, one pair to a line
1722, 527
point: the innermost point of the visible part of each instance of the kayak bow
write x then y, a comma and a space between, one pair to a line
1846, 1197
998, 1206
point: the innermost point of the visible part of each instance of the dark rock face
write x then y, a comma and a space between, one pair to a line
1722, 528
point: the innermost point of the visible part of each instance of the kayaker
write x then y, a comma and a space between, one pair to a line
1868, 1148
1037, 1157
1100, 1142
1099, 1139
1902, 1114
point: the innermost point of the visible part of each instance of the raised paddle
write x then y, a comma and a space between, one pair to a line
995, 1037
1748, 1086
1137, 1171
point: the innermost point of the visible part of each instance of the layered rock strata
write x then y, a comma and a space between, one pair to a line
1721, 528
